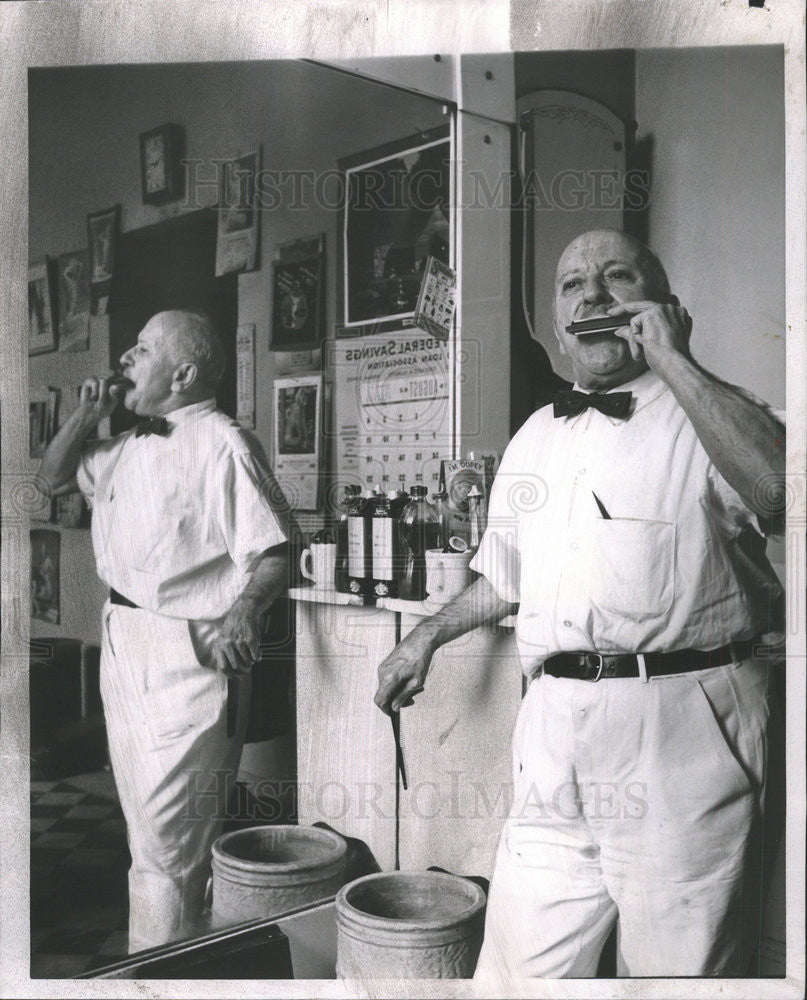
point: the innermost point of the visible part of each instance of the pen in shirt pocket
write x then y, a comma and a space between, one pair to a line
601, 505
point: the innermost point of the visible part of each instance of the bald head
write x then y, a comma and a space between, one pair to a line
177, 360
623, 244
191, 339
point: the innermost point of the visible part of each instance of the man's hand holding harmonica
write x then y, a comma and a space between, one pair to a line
654, 330
98, 397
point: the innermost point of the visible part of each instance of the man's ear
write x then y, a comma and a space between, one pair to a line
184, 376
673, 300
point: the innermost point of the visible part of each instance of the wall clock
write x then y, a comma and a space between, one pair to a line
161, 172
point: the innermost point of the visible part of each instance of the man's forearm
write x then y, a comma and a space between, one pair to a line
403, 673
477, 605
745, 442
61, 458
98, 397
268, 580
238, 643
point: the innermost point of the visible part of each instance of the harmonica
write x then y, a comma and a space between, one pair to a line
600, 324
115, 377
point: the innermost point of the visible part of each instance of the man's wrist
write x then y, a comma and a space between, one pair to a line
248, 605
428, 635
82, 422
669, 364
684, 376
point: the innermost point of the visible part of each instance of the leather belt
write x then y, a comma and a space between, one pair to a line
589, 666
117, 598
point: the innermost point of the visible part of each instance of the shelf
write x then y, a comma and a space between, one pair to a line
318, 595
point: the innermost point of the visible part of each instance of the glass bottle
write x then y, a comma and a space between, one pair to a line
419, 530
386, 543
360, 545
441, 506
348, 500
475, 513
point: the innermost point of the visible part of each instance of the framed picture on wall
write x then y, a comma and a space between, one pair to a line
102, 234
397, 212
237, 237
71, 511
37, 427
45, 559
43, 418
297, 295
74, 301
41, 308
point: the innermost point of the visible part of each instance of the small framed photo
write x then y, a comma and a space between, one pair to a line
45, 560
161, 174
297, 295
297, 416
74, 300
37, 427
72, 511
43, 418
238, 215
41, 308
102, 234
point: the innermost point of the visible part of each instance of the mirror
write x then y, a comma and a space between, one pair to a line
305, 117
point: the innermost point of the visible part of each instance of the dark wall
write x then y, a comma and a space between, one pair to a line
609, 77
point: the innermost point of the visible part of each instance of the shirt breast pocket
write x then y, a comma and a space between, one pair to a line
633, 571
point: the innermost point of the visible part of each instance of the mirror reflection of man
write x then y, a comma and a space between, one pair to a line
189, 534
641, 588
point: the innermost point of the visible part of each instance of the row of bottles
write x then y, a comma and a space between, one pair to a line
381, 542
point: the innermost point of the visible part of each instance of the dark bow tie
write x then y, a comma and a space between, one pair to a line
569, 402
152, 425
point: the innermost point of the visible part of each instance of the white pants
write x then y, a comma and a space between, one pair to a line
166, 718
635, 800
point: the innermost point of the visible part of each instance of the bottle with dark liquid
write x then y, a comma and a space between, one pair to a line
419, 530
360, 545
387, 563
350, 498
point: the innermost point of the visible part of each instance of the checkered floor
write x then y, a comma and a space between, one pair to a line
79, 861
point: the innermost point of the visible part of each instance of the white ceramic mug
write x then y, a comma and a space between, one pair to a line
447, 573
318, 563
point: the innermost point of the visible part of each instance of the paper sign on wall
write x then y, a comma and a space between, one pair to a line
245, 375
297, 438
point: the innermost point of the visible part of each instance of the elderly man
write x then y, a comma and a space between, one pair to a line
641, 586
190, 536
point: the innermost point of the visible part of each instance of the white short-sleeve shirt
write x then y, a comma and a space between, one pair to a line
680, 564
179, 521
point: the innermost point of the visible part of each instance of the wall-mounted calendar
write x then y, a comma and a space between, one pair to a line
392, 407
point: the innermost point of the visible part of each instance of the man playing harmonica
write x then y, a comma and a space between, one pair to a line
189, 534
641, 588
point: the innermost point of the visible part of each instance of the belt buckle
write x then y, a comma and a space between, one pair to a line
589, 665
